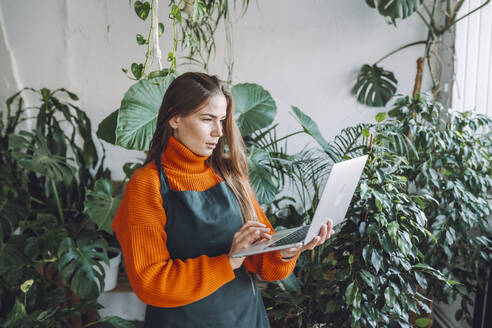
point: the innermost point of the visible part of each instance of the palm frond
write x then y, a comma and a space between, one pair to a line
351, 142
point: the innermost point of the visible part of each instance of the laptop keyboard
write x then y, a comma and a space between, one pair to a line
292, 238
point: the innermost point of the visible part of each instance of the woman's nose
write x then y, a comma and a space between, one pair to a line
217, 131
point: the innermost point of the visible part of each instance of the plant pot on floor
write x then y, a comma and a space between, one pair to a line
111, 270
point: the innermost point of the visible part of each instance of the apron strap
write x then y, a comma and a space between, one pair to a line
164, 182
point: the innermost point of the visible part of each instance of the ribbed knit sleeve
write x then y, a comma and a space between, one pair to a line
270, 266
155, 278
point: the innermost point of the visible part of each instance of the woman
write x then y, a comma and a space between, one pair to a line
189, 208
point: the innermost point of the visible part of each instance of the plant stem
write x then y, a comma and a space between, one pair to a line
147, 55
401, 48
58, 204
427, 11
471, 12
429, 25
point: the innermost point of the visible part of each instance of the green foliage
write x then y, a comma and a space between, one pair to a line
138, 112
76, 264
192, 24
142, 9
374, 86
395, 8
133, 126
416, 227
117, 322
101, 206
32, 153
107, 128
254, 107
48, 249
452, 163
262, 180
342, 282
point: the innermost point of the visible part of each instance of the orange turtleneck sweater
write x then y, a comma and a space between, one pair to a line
139, 226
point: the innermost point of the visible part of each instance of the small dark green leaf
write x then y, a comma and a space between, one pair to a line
381, 116
389, 296
142, 9
130, 168
137, 70
140, 39
161, 29
376, 260
422, 322
176, 13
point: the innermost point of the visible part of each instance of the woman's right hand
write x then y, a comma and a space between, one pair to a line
250, 232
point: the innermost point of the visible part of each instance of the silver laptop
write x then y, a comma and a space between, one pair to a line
334, 202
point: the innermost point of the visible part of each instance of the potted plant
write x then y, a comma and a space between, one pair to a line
48, 244
452, 160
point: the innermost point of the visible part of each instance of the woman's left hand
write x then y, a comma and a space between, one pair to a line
325, 233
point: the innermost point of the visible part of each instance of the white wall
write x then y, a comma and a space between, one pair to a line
306, 53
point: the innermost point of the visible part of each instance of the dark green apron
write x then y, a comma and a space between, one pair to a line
204, 223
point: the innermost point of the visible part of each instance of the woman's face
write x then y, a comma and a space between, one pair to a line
201, 130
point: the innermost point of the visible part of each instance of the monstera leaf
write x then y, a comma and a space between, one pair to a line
264, 183
76, 264
32, 152
138, 112
395, 8
100, 205
254, 107
375, 86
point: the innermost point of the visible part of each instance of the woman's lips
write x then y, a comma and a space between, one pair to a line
211, 145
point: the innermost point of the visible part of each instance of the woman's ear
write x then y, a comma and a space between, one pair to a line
174, 121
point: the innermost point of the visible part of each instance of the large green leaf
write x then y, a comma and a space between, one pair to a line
77, 261
291, 283
375, 86
15, 315
106, 130
100, 205
395, 8
310, 127
12, 259
138, 112
32, 152
262, 180
254, 107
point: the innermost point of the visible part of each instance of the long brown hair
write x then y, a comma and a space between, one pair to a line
188, 93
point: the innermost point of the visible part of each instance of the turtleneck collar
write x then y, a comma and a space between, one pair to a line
178, 157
